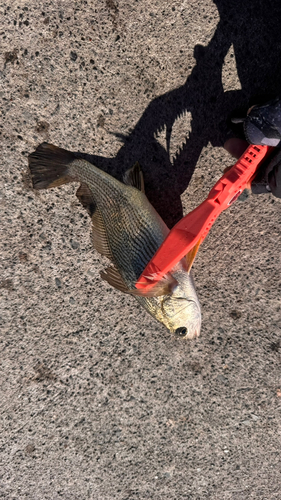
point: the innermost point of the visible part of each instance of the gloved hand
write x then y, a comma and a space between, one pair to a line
262, 125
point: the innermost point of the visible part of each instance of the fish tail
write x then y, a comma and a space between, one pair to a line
50, 166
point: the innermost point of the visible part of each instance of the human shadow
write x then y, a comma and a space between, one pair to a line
253, 28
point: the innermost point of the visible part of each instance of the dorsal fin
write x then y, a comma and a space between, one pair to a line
134, 177
99, 235
114, 278
86, 198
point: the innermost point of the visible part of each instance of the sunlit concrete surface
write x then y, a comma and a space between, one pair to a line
98, 400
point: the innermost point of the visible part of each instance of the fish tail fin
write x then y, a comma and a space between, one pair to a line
50, 166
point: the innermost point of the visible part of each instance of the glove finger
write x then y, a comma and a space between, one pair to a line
235, 146
262, 125
274, 175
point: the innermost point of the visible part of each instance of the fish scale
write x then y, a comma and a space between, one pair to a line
109, 199
128, 230
130, 256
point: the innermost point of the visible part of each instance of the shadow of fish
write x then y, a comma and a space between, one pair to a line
127, 230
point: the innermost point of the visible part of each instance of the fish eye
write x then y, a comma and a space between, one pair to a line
181, 331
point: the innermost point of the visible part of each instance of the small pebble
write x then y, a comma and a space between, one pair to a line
255, 417
235, 314
58, 282
74, 244
73, 56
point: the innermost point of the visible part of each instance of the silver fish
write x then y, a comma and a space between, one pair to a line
127, 230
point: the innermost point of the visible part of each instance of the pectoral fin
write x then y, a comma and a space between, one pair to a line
164, 287
114, 278
191, 255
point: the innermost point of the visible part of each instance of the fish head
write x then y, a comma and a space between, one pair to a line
182, 316
181, 312
174, 302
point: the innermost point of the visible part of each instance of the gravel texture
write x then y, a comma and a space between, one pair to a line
98, 401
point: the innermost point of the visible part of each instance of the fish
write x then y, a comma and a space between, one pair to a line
128, 231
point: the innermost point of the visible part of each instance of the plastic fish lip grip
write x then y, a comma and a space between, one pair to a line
186, 236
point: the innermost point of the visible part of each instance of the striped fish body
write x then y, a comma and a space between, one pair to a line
127, 230
134, 230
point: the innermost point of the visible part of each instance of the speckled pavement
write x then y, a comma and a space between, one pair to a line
98, 401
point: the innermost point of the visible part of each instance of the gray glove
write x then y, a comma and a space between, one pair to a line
262, 125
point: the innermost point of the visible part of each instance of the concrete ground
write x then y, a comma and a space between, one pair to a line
98, 401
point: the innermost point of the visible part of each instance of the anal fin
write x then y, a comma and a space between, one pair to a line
190, 256
164, 287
